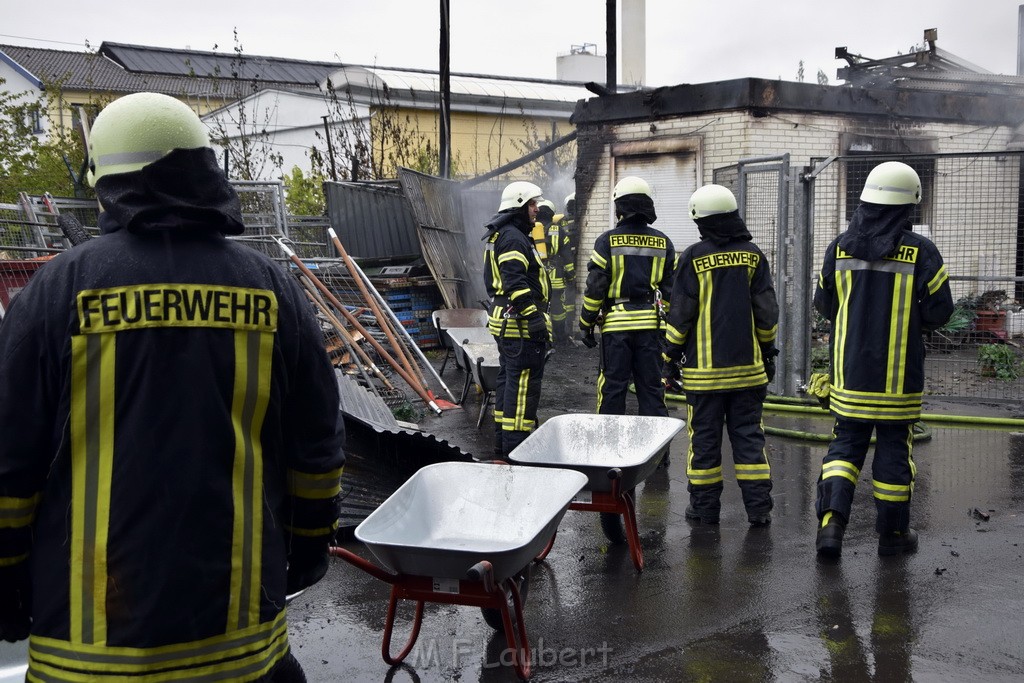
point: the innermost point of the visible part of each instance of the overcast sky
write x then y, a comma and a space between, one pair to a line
688, 41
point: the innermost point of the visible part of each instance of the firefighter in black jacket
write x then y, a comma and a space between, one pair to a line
171, 462
722, 327
517, 283
629, 279
881, 286
562, 269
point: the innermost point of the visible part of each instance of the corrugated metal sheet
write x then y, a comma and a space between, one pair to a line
373, 220
438, 209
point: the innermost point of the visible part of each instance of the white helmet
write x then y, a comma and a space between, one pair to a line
548, 203
135, 130
519, 194
630, 185
711, 200
893, 183
570, 198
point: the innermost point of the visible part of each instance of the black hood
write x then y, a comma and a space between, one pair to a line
636, 205
545, 214
185, 190
516, 217
875, 231
722, 228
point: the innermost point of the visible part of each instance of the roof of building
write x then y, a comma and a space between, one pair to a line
92, 71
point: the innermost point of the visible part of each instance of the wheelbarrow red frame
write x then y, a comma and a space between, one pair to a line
616, 501
478, 589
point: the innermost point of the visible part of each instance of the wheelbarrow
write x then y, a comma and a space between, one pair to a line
463, 533
615, 452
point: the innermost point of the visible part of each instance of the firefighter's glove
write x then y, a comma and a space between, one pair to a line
588, 337
818, 387
537, 327
768, 354
307, 563
15, 603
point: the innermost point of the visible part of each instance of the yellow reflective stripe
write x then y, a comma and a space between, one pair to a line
753, 472
618, 271
600, 390
704, 359
513, 256
936, 282
897, 493
843, 286
521, 389
840, 468
725, 383
868, 397
17, 512
11, 561
92, 456
765, 336
253, 358
592, 304
312, 533
729, 371
245, 654
674, 336
599, 260
703, 477
315, 486
518, 293
899, 329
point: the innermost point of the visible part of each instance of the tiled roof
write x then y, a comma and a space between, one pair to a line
92, 71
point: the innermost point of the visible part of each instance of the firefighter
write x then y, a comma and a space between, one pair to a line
881, 286
629, 280
172, 455
562, 249
517, 284
721, 330
551, 258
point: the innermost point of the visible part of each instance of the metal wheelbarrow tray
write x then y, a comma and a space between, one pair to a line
465, 533
615, 452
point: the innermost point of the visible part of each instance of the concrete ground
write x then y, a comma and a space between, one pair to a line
726, 603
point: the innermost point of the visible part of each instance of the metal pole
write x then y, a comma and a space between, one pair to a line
330, 149
445, 75
405, 333
611, 35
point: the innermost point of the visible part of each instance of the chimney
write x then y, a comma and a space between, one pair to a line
634, 43
1020, 40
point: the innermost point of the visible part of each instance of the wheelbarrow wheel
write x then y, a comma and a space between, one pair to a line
613, 527
492, 616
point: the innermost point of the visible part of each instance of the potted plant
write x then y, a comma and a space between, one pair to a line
999, 361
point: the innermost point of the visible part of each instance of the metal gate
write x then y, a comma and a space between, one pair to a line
762, 187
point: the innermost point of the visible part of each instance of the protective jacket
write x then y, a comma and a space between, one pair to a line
629, 277
515, 277
171, 428
724, 309
562, 250
881, 286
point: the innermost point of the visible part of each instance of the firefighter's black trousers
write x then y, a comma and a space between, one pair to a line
741, 413
632, 355
892, 471
517, 392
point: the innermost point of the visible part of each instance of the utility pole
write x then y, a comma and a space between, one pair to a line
611, 36
330, 148
444, 71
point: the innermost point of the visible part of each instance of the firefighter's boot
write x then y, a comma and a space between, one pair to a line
897, 543
830, 535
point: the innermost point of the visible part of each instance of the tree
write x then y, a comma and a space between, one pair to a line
29, 163
822, 78
800, 72
304, 195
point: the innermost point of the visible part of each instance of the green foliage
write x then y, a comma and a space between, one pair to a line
961, 319
1000, 361
28, 163
304, 195
820, 358
406, 412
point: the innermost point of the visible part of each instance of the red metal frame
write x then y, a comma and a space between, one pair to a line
614, 501
475, 592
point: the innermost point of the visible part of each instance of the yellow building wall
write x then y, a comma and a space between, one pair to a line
481, 142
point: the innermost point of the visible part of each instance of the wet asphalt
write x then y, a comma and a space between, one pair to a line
727, 602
